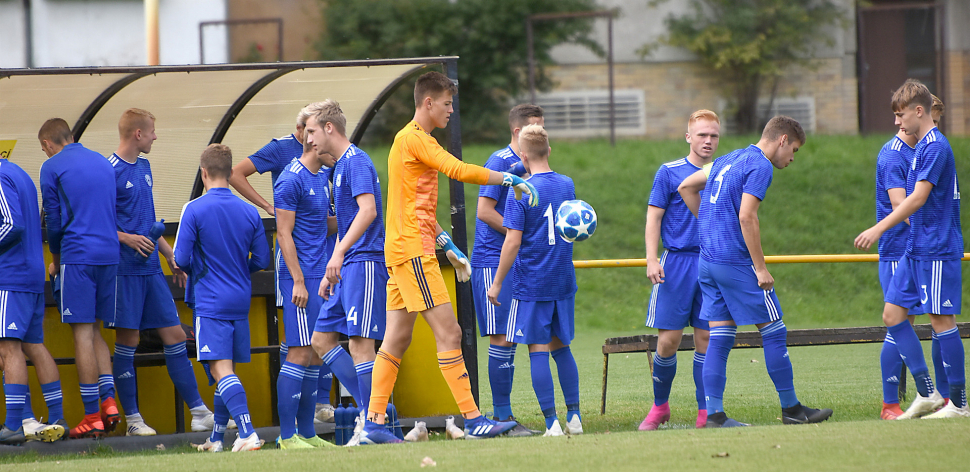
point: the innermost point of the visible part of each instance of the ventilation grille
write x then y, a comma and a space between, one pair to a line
801, 109
586, 113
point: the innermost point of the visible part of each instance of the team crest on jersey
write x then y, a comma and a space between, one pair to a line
148, 180
337, 181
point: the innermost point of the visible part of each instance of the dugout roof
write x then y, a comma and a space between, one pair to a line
241, 105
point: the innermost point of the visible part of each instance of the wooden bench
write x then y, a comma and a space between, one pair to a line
749, 339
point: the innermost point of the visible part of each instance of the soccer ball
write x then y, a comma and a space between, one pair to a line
575, 221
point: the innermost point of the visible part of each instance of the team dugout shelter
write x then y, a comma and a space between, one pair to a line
242, 106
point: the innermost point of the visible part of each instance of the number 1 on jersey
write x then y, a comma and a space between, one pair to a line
552, 224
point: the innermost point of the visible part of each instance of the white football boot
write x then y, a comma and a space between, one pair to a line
555, 430
950, 411
574, 426
922, 405
252, 443
210, 446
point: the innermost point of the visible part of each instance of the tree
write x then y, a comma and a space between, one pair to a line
751, 43
488, 35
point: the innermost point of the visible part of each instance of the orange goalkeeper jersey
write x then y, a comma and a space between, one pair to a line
412, 192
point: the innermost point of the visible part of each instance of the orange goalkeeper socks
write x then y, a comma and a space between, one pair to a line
452, 366
385, 371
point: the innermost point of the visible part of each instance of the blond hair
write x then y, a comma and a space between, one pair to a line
134, 119
534, 141
912, 93
307, 112
702, 114
330, 112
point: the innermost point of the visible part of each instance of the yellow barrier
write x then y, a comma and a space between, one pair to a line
792, 259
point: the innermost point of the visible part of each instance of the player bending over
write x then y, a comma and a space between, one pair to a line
928, 274
78, 191
220, 241
676, 299
144, 300
541, 308
735, 282
415, 284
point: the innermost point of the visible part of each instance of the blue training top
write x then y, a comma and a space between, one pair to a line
935, 228
21, 245
742, 171
78, 188
216, 235
308, 195
353, 175
678, 227
488, 243
275, 155
892, 165
543, 269
136, 213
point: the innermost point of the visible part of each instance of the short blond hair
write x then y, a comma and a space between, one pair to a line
307, 112
912, 93
534, 141
330, 112
702, 114
938, 105
134, 119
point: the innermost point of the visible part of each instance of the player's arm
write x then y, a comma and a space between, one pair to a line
331, 225
52, 212
259, 257
239, 180
139, 243
486, 212
751, 231
909, 205
366, 213
690, 190
285, 221
896, 197
185, 239
651, 237
11, 220
510, 250
166, 251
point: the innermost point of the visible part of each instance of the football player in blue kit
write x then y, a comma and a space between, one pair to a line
302, 199
78, 192
220, 242
928, 275
675, 302
736, 285
541, 309
144, 300
489, 236
356, 281
273, 158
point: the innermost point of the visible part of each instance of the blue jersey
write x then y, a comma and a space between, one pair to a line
355, 175
678, 228
488, 242
136, 213
217, 233
308, 195
935, 233
275, 155
78, 188
543, 269
892, 165
743, 171
21, 245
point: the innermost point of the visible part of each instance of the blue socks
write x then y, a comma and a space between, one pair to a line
891, 367
324, 384
542, 384
308, 402
500, 379
91, 398
289, 387
365, 375
54, 399
699, 380
568, 380
234, 396
664, 370
284, 350
28, 408
942, 384
16, 398
180, 371
715, 366
106, 387
951, 348
123, 368
912, 353
342, 366
221, 417
774, 338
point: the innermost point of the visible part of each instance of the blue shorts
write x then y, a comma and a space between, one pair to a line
358, 306
88, 292
144, 302
676, 303
22, 316
538, 322
731, 293
936, 286
217, 340
298, 322
491, 319
886, 271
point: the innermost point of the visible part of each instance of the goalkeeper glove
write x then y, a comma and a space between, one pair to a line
521, 186
518, 169
463, 269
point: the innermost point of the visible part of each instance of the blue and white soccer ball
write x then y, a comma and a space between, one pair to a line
575, 220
